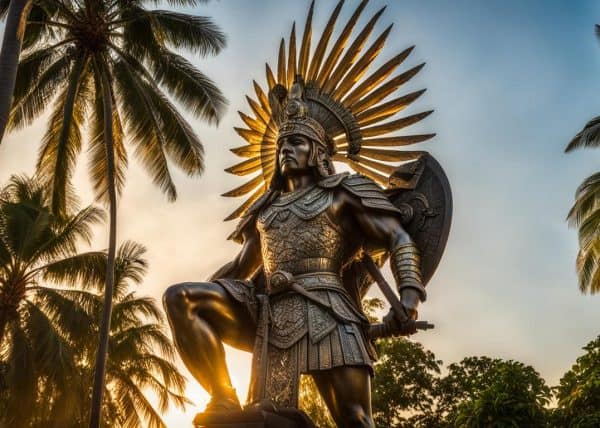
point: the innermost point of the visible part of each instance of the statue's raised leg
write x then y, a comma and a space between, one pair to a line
203, 316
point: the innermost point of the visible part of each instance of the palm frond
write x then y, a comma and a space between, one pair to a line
589, 229
28, 226
165, 395
164, 369
130, 310
98, 165
130, 265
189, 86
36, 33
52, 352
126, 387
62, 142
23, 189
139, 339
70, 230
32, 66
143, 125
198, 34
22, 226
74, 312
125, 404
587, 198
589, 136
87, 270
28, 105
588, 267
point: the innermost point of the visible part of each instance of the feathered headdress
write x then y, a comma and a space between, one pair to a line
329, 94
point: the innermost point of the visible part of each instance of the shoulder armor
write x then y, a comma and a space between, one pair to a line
333, 180
370, 193
249, 216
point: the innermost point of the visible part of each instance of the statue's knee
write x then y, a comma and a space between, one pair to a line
357, 417
175, 299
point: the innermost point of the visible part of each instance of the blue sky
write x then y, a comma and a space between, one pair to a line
510, 81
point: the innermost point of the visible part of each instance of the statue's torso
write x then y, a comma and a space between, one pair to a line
298, 236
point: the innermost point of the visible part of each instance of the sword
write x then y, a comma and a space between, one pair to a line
407, 326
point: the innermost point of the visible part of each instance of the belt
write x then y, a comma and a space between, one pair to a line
281, 281
309, 265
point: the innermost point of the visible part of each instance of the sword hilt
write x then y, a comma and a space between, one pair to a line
381, 330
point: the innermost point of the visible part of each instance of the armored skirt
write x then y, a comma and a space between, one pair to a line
308, 331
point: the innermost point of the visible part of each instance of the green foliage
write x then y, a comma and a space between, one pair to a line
464, 381
48, 333
404, 383
578, 393
515, 396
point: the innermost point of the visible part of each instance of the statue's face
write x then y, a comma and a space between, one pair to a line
294, 154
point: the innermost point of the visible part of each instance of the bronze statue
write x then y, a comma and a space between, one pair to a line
310, 236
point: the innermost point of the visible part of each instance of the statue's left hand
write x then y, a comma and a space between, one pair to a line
410, 300
399, 324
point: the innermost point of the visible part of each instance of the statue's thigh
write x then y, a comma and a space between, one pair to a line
229, 318
347, 393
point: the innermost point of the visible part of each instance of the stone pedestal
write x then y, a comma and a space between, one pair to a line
254, 418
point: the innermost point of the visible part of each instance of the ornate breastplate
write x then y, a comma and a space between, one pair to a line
297, 235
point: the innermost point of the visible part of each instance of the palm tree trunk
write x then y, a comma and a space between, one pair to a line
18, 12
101, 357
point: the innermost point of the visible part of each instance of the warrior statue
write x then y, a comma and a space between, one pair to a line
292, 296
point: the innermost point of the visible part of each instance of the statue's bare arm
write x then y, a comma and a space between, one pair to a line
246, 262
381, 230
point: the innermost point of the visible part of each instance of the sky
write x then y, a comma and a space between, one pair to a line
511, 83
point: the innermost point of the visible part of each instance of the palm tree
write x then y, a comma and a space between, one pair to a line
109, 63
46, 349
16, 12
17, 34
36, 351
585, 213
141, 354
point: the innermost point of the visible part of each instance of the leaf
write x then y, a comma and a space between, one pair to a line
62, 141
589, 136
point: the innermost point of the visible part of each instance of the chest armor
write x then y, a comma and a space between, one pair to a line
297, 235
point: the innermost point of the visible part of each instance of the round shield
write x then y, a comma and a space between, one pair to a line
421, 191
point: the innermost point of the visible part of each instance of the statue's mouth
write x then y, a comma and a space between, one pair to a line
287, 159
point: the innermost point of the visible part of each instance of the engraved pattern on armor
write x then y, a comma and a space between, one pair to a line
288, 320
370, 194
342, 308
351, 351
282, 382
320, 324
299, 230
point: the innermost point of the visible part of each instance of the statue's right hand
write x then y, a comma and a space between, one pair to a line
399, 324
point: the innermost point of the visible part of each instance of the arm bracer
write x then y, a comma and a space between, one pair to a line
405, 262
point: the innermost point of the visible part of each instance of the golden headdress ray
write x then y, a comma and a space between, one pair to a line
334, 76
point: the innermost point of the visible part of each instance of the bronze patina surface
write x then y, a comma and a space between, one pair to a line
312, 239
